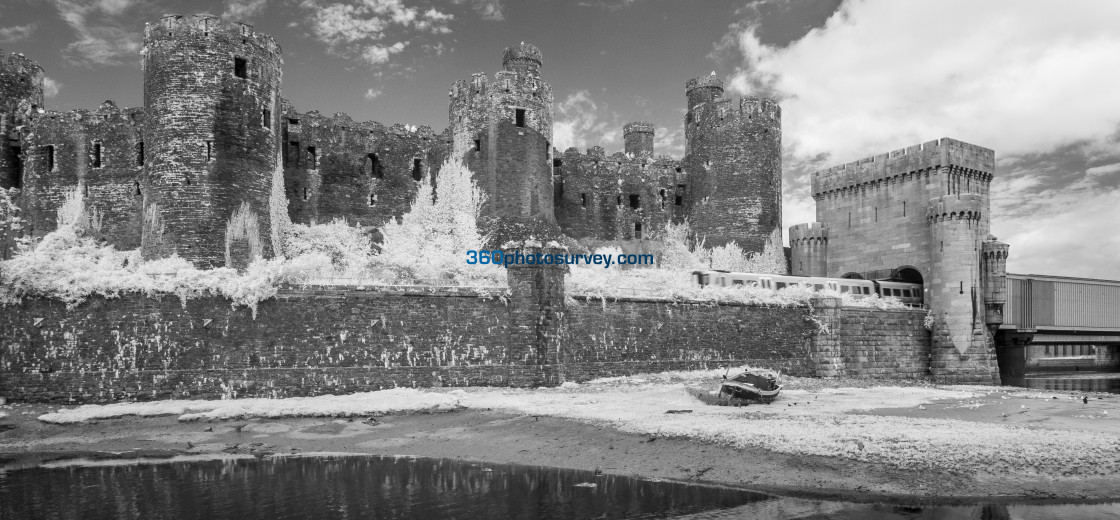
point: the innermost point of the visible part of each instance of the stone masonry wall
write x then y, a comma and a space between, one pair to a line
342, 341
871, 343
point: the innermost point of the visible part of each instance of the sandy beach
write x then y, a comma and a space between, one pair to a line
856, 440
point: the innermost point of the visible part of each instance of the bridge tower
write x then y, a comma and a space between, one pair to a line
212, 99
963, 349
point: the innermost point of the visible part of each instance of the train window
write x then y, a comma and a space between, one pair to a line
736, 282
781, 285
843, 288
906, 293
818, 287
707, 279
866, 290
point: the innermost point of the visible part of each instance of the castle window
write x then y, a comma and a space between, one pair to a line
266, 118
478, 145
136, 187
519, 119
556, 163
876, 214
663, 197
635, 201
294, 152
48, 152
416, 174
619, 201
293, 122
313, 157
680, 194
375, 166
849, 219
638, 230
678, 169
209, 150
583, 200
679, 200
305, 196
96, 155
240, 67
372, 199
140, 153
904, 208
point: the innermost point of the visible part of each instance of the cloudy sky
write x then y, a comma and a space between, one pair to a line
1035, 80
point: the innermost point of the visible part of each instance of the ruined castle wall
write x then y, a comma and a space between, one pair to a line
21, 95
340, 341
211, 95
363, 172
519, 163
734, 163
596, 202
875, 208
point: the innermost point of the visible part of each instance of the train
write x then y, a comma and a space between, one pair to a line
908, 293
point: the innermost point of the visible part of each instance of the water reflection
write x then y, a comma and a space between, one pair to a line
1069, 381
427, 489
347, 487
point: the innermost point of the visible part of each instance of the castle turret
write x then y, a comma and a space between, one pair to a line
21, 95
638, 137
808, 245
733, 156
502, 130
962, 349
993, 254
211, 95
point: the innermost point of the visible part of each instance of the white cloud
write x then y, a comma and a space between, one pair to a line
378, 54
358, 28
17, 33
372, 93
105, 35
50, 87
1019, 76
577, 123
487, 9
669, 142
243, 10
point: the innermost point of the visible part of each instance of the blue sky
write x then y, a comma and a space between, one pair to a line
1033, 79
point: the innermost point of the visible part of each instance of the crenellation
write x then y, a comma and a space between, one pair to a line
930, 155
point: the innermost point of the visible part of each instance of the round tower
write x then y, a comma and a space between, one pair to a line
962, 351
638, 137
21, 95
211, 96
525, 59
808, 245
994, 276
734, 162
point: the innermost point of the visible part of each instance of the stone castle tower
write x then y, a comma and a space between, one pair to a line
503, 131
21, 96
921, 215
212, 101
733, 156
205, 167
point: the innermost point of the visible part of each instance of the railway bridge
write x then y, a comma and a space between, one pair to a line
1056, 323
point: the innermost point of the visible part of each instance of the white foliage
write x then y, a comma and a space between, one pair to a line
431, 241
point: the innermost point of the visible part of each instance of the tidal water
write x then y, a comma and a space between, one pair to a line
1067, 381
426, 489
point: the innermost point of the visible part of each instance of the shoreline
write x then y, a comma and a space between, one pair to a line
502, 436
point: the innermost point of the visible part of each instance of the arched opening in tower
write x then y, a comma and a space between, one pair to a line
907, 274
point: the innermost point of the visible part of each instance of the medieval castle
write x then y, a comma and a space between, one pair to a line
215, 145
215, 139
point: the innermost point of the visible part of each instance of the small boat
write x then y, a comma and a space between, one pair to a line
752, 383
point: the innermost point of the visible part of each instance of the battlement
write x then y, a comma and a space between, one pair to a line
993, 249
808, 231
16, 63
966, 206
204, 25
637, 126
477, 85
521, 55
709, 81
931, 154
